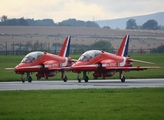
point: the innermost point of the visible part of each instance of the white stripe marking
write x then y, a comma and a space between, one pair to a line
123, 63
65, 63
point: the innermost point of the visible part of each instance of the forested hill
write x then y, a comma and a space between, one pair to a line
121, 22
45, 22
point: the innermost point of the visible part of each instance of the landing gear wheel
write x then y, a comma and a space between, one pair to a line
22, 80
29, 79
65, 79
86, 78
123, 79
79, 79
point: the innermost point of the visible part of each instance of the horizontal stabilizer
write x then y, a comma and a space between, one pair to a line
133, 60
134, 68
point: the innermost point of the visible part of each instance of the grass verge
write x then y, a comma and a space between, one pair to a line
97, 104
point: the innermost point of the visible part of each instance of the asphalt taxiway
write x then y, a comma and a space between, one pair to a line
73, 84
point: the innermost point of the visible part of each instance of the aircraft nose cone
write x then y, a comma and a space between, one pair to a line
74, 67
78, 65
19, 67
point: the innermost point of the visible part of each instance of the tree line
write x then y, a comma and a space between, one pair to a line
159, 49
148, 25
45, 22
130, 24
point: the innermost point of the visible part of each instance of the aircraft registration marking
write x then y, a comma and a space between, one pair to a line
113, 64
52, 65
110, 65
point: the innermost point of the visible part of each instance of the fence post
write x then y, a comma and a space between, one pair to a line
6, 48
13, 48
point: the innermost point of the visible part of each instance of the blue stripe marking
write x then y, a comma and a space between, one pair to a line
68, 47
126, 47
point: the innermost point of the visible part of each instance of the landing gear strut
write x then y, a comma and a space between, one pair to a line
64, 77
29, 78
85, 77
22, 78
122, 77
78, 78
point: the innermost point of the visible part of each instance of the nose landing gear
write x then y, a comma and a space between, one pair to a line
29, 78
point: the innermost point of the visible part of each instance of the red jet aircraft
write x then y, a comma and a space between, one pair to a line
105, 64
45, 64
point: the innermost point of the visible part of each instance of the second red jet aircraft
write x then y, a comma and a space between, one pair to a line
105, 64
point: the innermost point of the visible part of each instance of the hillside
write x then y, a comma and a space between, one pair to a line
121, 22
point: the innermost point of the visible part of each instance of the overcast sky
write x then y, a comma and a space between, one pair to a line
59, 10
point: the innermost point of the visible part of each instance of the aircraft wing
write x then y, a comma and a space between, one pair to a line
58, 69
91, 67
94, 67
40, 67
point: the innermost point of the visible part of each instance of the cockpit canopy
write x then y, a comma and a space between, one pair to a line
89, 55
32, 56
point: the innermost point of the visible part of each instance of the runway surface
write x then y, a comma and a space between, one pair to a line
73, 84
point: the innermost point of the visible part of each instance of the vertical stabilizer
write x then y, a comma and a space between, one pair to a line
123, 49
64, 51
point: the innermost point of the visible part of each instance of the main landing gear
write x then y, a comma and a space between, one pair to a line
122, 77
29, 78
64, 77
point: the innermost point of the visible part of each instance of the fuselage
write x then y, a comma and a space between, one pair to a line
95, 59
104, 58
36, 61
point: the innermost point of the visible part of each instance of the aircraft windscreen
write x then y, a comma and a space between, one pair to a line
89, 55
32, 56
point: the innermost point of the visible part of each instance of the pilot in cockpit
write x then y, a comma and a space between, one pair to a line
32, 56
89, 55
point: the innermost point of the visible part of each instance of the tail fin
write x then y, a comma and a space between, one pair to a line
123, 49
64, 51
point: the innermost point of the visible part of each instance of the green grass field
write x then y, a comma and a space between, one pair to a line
86, 104
80, 104
158, 59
